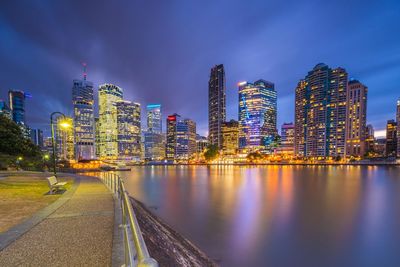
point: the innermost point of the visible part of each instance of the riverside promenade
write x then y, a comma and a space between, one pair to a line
75, 230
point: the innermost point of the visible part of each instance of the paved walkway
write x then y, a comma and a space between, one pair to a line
79, 233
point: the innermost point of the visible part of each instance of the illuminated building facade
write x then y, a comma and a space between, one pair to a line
83, 101
201, 143
17, 106
230, 137
109, 95
369, 138
154, 119
257, 115
171, 136
185, 139
320, 113
287, 139
216, 104
65, 139
391, 139
356, 119
398, 127
128, 130
154, 144
97, 136
181, 138
5, 110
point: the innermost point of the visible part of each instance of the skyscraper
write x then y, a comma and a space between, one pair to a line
109, 95
154, 119
17, 106
257, 115
97, 136
216, 104
185, 139
65, 139
83, 101
398, 128
37, 137
369, 139
356, 118
230, 137
320, 113
181, 138
391, 139
154, 146
171, 136
153, 138
287, 138
129, 131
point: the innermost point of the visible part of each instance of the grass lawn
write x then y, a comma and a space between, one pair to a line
22, 195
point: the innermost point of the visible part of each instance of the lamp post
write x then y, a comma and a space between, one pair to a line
66, 125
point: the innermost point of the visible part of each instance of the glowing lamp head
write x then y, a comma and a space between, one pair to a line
242, 83
20, 158
65, 124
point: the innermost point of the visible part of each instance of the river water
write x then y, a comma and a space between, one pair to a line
279, 215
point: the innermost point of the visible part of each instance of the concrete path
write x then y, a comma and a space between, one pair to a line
79, 233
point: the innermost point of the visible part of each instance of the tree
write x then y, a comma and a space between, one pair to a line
211, 152
254, 156
13, 145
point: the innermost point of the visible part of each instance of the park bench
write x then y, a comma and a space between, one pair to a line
54, 184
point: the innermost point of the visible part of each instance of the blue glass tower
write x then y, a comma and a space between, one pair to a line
257, 115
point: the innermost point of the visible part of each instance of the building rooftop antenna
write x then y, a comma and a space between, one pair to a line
84, 65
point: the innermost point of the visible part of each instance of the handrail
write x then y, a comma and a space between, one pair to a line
136, 254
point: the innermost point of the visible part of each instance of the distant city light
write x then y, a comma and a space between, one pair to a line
242, 83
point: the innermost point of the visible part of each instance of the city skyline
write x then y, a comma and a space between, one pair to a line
248, 50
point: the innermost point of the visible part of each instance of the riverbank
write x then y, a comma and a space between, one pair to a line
166, 245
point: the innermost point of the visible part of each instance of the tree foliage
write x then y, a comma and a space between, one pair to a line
254, 156
13, 142
211, 152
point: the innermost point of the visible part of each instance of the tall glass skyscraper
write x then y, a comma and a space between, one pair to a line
153, 138
320, 113
83, 101
216, 104
154, 120
17, 106
129, 131
257, 115
109, 95
181, 138
170, 148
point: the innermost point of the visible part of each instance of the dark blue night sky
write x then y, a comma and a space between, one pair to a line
161, 51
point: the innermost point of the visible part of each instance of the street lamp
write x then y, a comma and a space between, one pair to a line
63, 124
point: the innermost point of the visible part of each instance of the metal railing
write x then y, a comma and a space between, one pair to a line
135, 250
